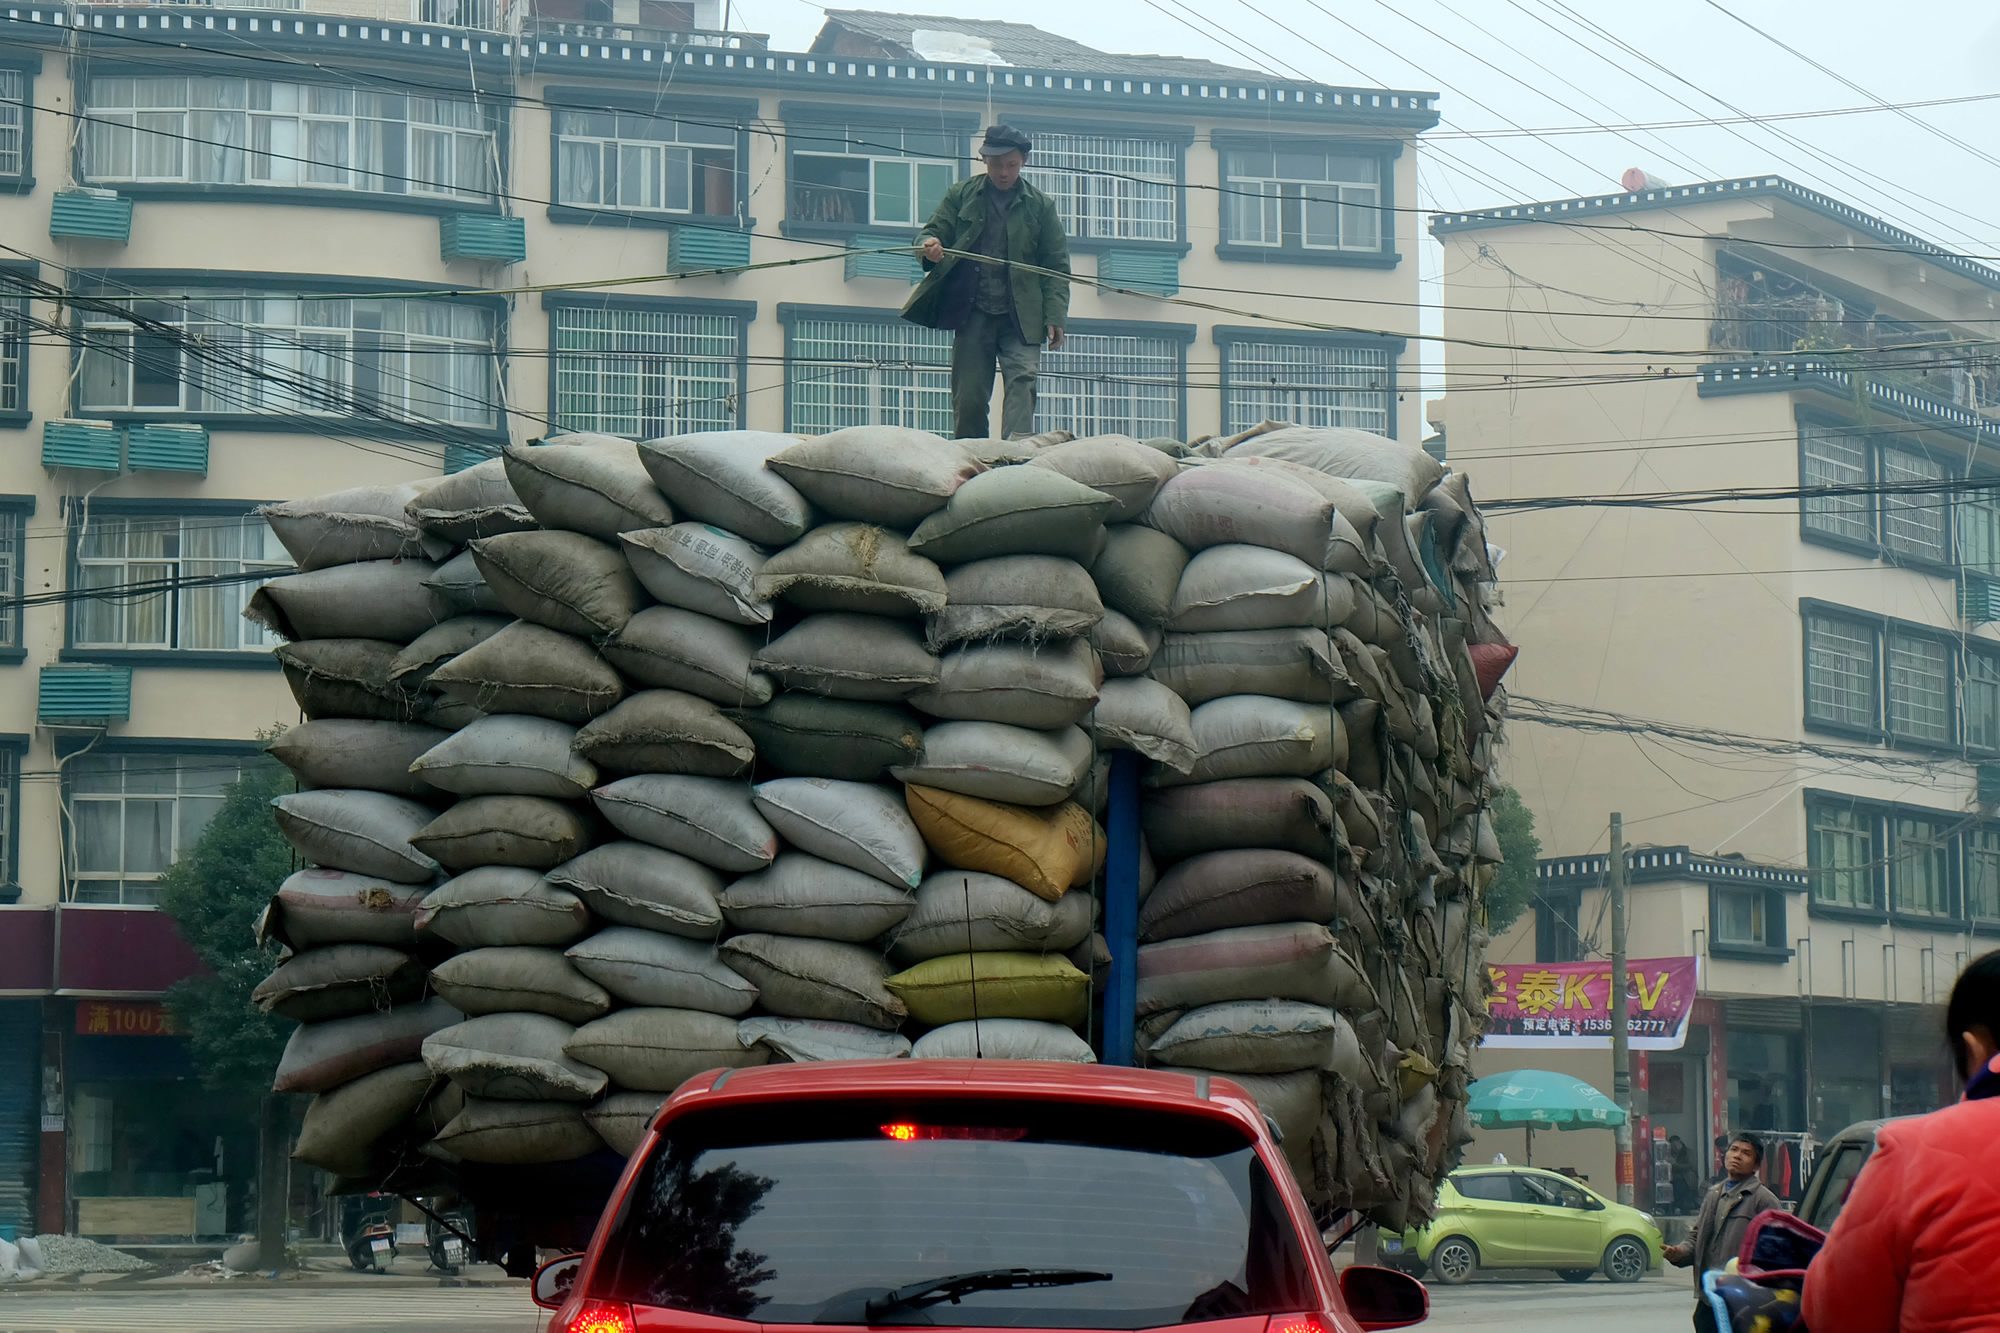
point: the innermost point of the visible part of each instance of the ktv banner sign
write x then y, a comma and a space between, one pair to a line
1568, 1005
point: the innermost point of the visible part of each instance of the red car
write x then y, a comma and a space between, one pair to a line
970, 1195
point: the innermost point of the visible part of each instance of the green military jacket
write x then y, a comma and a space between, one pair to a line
1034, 236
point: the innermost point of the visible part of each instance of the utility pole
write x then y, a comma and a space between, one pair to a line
1621, 1030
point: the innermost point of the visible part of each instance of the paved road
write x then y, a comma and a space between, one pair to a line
276, 1310
1657, 1305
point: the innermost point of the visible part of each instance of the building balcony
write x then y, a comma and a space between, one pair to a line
584, 31
653, 24
1898, 391
502, 16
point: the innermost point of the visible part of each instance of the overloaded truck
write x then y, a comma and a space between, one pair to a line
626, 762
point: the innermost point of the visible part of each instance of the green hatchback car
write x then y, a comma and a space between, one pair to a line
1516, 1217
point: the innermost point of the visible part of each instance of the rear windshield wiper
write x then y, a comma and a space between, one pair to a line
935, 1291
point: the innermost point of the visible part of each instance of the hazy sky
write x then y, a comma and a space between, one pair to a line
1881, 161
1562, 75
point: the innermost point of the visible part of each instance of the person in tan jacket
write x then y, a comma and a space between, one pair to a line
1725, 1216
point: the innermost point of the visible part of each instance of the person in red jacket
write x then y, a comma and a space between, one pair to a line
1914, 1245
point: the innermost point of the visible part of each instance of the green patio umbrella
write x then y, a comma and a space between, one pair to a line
1533, 1099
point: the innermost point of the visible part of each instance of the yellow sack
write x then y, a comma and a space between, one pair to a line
955, 988
1045, 851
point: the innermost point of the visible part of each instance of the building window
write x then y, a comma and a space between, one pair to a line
222, 131
1982, 701
404, 360
1920, 866
13, 354
1978, 515
13, 122
1920, 688
1982, 874
1559, 927
1836, 457
13, 539
871, 175
1741, 916
1840, 854
1105, 384
1915, 524
1842, 671
1110, 188
1309, 382
197, 563
644, 373
10, 796
645, 164
1303, 199
867, 372
132, 815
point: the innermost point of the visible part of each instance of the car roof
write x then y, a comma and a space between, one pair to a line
1861, 1129
1496, 1168
1108, 1085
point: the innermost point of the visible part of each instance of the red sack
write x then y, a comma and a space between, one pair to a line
1778, 1245
1490, 662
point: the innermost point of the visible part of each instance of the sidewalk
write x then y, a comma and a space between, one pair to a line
410, 1272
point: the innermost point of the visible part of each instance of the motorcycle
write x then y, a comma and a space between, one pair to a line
372, 1245
447, 1236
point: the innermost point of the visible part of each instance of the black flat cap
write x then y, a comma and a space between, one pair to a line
1004, 139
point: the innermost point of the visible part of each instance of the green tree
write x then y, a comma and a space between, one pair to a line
214, 893
1510, 894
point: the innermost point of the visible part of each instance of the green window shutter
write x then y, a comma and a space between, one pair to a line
902, 266
85, 696
482, 237
459, 457
91, 215
701, 249
1150, 271
164, 447
1978, 599
93, 446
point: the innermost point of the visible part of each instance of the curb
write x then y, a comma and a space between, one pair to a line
137, 1284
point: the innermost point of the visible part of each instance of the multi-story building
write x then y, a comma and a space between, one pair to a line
1793, 701
267, 250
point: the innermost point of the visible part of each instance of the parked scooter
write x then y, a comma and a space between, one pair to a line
371, 1243
447, 1235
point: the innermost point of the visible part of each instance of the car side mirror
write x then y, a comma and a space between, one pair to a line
1383, 1298
554, 1279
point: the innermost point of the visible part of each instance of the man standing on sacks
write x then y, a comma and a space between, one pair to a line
998, 314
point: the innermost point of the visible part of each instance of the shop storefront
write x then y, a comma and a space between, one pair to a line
20, 1113
153, 1154
106, 1129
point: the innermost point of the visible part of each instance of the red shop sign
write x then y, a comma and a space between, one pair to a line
123, 1018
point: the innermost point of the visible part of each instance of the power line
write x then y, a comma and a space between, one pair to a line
361, 77
1924, 125
1941, 486
1851, 170
1581, 717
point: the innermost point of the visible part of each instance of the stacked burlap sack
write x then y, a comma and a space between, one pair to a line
626, 762
1316, 598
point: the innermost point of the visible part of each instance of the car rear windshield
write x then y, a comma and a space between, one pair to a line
804, 1213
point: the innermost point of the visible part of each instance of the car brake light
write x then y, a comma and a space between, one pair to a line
1298, 1323
602, 1317
904, 1132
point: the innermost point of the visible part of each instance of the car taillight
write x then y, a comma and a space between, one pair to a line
1298, 1323
602, 1317
905, 1132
